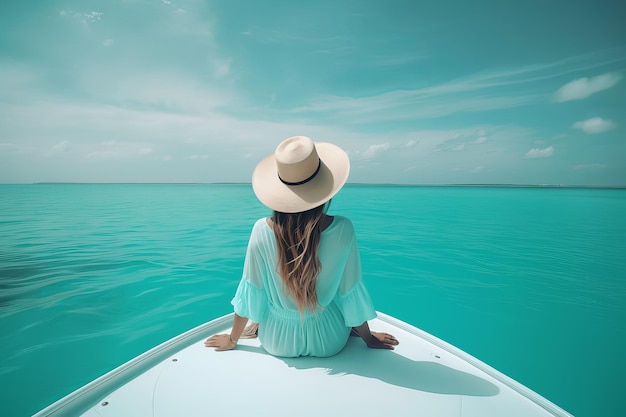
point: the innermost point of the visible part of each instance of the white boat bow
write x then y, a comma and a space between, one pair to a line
423, 376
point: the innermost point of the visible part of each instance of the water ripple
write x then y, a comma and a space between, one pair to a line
100, 273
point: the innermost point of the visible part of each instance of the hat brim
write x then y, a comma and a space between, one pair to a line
272, 192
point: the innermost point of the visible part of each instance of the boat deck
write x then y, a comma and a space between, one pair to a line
423, 376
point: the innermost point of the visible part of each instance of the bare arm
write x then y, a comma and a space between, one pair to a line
223, 342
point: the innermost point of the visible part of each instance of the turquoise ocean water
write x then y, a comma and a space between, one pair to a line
529, 280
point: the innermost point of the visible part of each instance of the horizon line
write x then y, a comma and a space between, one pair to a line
494, 185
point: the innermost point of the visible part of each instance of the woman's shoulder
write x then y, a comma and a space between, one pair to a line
261, 222
342, 220
261, 233
261, 226
342, 223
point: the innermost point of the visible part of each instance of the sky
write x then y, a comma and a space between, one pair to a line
416, 92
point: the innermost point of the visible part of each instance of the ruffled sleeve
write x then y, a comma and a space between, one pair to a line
352, 298
356, 306
251, 299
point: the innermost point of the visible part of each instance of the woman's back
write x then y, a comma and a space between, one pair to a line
343, 301
337, 247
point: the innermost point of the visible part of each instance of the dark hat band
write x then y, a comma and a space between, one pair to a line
304, 181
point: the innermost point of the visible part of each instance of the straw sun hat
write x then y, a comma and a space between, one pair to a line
300, 175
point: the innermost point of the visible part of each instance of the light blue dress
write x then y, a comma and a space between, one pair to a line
343, 299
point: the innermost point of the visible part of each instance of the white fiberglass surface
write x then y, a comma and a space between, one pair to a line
423, 376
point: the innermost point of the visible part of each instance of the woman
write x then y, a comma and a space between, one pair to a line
302, 273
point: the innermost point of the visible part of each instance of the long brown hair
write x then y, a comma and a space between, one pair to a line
298, 239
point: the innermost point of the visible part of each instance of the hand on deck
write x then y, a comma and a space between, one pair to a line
375, 340
223, 342
382, 341
220, 342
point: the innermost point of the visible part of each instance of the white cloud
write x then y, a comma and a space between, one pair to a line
540, 153
170, 92
411, 104
146, 151
104, 154
477, 169
584, 87
178, 10
93, 16
594, 125
373, 150
221, 67
480, 140
202, 156
85, 17
108, 42
411, 143
120, 150
464, 140
477, 92
176, 135
581, 167
62, 146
